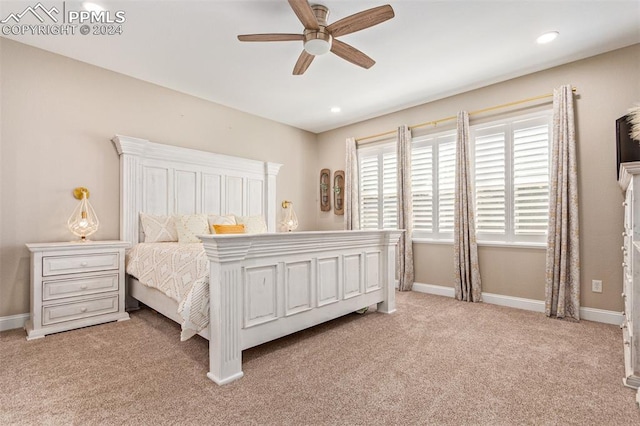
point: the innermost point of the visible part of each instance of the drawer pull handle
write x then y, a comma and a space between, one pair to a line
624, 204
623, 295
84, 287
624, 234
83, 309
83, 264
623, 248
627, 343
624, 264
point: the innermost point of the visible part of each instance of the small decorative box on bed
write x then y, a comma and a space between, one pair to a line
259, 287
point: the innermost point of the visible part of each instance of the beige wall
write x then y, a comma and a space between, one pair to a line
607, 85
58, 116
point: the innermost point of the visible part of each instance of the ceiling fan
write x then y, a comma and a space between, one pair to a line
320, 38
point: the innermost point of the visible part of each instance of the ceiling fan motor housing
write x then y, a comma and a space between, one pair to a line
318, 42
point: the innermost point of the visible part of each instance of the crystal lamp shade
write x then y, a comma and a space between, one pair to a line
290, 220
83, 221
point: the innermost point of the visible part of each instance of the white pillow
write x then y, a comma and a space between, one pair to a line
191, 225
252, 224
158, 229
214, 219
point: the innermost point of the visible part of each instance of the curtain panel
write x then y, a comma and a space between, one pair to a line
351, 187
404, 258
468, 286
562, 290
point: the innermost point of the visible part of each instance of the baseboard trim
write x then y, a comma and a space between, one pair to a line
438, 290
13, 321
514, 302
601, 315
588, 314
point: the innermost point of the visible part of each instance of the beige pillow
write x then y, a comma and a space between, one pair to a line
252, 224
214, 219
191, 225
158, 229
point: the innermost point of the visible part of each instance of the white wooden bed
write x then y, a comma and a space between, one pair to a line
262, 286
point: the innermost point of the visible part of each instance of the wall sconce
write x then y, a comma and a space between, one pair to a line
83, 221
290, 221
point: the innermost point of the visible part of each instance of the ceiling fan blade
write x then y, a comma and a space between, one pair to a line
305, 14
270, 37
351, 54
303, 63
360, 21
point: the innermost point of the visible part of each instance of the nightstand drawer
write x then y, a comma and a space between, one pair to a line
58, 265
53, 314
57, 289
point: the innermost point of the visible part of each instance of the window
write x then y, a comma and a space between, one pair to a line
510, 170
432, 183
378, 187
511, 176
531, 177
490, 180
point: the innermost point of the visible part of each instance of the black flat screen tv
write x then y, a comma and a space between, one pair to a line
627, 149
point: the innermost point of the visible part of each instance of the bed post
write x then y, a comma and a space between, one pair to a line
388, 305
130, 149
225, 307
271, 173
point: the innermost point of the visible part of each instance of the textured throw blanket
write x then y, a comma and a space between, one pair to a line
180, 271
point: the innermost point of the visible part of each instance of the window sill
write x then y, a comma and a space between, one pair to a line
529, 245
430, 241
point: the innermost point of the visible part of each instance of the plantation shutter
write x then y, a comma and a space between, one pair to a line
369, 192
446, 183
490, 180
531, 177
422, 187
389, 190
378, 187
510, 160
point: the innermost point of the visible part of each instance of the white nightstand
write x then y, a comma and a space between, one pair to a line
75, 285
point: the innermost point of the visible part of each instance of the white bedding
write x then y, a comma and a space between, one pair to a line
180, 271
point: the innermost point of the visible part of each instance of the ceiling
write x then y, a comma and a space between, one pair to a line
430, 50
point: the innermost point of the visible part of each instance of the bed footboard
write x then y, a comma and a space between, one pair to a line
266, 286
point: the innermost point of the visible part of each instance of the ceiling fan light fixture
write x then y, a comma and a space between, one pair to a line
317, 46
317, 42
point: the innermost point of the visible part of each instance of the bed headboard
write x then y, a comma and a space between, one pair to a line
165, 180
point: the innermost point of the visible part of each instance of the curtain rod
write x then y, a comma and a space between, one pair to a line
453, 117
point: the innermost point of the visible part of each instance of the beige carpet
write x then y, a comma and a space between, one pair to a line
435, 361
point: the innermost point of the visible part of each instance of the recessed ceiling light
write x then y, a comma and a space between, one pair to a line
92, 7
547, 37
335, 109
